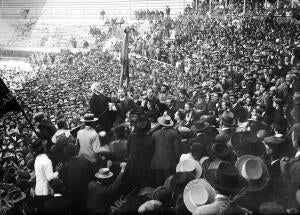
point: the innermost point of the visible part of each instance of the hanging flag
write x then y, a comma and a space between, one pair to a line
7, 101
125, 61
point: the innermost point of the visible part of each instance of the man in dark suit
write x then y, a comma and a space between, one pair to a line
99, 106
167, 150
59, 204
75, 174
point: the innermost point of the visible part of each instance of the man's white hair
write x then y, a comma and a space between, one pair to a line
96, 88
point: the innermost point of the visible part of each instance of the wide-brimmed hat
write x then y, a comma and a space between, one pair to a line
254, 170
165, 120
226, 178
89, 117
220, 150
247, 143
104, 173
185, 132
15, 195
199, 126
196, 193
189, 165
228, 119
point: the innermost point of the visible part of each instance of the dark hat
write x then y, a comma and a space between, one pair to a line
274, 142
228, 119
247, 143
180, 180
185, 132
162, 194
199, 126
220, 150
226, 178
39, 116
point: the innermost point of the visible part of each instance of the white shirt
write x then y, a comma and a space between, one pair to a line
43, 174
297, 154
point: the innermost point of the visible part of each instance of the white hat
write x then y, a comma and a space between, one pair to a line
189, 165
196, 193
104, 173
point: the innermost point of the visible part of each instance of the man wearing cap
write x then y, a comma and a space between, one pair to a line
167, 150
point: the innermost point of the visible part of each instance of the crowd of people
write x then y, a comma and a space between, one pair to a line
208, 125
149, 14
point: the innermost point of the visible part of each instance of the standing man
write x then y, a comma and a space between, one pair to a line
168, 10
88, 140
99, 106
167, 150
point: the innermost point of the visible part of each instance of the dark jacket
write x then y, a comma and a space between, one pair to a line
99, 107
99, 195
140, 149
76, 174
58, 205
167, 149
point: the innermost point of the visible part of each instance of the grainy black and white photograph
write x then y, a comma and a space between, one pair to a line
149, 107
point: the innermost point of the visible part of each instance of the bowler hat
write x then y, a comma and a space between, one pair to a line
228, 119
199, 126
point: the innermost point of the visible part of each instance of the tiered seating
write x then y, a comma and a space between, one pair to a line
88, 9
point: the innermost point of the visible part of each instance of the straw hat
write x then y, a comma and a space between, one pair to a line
104, 173
189, 165
196, 193
89, 117
254, 170
165, 120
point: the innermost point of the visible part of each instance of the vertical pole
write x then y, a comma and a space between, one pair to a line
278, 4
292, 3
244, 11
226, 3
2, 6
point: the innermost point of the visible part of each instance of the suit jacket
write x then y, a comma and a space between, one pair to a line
292, 179
76, 174
167, 149
99, 195
58, 205
99, 107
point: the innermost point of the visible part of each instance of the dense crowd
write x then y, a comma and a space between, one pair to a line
208, 125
